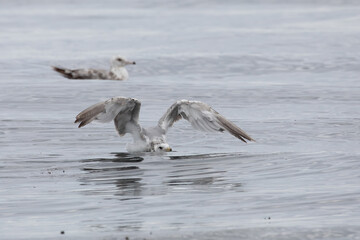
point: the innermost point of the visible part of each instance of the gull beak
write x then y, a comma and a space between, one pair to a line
130, 62
168, 149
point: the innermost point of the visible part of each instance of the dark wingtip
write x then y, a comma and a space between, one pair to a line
242, 139
81, 123
246, 139
234, 130
250, 140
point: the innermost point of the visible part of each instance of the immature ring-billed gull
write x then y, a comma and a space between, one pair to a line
117, 71
125, 113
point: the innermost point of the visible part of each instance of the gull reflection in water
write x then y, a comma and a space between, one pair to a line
145, 184
116, 176
127, 176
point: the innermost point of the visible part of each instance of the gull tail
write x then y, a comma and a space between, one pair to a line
64, 72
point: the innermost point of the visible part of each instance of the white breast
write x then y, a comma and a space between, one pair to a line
120, 72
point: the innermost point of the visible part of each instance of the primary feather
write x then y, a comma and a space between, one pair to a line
202, 117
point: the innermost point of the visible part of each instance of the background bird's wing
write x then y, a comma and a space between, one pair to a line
82, 73
124, 112
202, 117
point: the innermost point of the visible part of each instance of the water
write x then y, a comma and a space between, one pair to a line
288, 74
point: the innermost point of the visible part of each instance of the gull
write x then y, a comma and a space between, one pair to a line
125, 114
117, 71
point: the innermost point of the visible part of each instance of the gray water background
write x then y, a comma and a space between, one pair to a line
285, 72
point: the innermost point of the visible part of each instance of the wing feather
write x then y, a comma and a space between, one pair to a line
90, 113
124, 112
202, 117
83, 73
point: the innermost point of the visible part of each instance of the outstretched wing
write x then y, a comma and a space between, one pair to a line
202, 117
124, 112
83, 73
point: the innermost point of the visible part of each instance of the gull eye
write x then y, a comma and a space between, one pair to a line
160, 148
119, 59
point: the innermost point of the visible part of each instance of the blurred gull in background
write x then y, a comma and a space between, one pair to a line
117, 71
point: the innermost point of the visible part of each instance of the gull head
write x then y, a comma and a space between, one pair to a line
162, 147
120, 62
